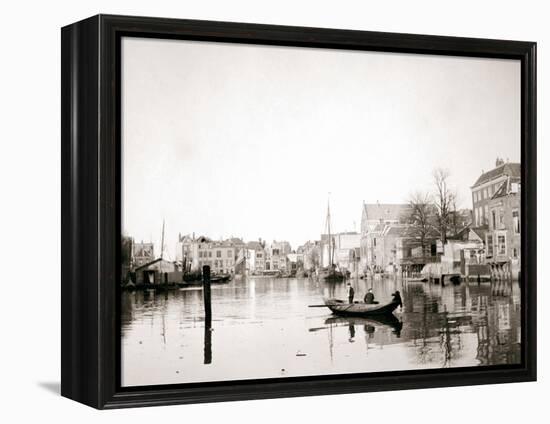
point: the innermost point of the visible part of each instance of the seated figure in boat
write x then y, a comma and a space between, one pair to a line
369, 297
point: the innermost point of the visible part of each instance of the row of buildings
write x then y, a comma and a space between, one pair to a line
485, 242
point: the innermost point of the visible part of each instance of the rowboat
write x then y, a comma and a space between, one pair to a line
359, 309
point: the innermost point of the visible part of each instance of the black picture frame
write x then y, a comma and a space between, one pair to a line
91, 227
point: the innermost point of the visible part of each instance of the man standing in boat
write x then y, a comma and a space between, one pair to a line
397, 299
369, 297
351, 293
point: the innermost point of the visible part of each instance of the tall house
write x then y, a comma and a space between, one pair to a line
503, 238
375, 217
142, 253
255, 257
487, 185
276, 259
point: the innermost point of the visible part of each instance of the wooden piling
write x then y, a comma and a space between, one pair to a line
207, 314
206, 293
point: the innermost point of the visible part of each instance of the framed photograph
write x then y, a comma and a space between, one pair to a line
254, 211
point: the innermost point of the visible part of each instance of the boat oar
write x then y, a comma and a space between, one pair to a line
316, 306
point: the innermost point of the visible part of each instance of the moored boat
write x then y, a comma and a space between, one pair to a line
360, 309
330, 273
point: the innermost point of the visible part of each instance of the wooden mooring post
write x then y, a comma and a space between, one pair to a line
207, 314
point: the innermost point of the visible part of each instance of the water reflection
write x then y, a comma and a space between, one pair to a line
263, 328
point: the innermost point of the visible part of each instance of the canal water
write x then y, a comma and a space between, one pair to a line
263, 328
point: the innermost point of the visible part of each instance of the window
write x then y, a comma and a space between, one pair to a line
275, 252
485, 194
501, 218
501, 244
209, 254
515, 221
258, 255
216, 263
486, 214
229, 253
218, 253
515, 252
494, 219
374, 242
200, 254
490, 190
489, 245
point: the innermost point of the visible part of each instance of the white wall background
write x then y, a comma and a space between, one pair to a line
30, 223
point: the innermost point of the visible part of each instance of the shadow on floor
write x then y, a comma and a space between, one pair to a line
51, 386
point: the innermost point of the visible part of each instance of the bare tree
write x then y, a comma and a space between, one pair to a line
420, 216
444, 199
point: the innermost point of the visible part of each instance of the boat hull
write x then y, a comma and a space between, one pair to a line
331, 276
342, 308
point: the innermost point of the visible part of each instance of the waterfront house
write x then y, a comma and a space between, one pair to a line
487, 185
344, 247
157, 271
142, 253
375, 217
503, 238
276, 259
311, 251
190, 252
255, 257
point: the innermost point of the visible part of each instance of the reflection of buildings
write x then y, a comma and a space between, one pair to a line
437, 318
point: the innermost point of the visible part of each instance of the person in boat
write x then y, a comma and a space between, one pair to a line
369, 297
397, 299
351, 293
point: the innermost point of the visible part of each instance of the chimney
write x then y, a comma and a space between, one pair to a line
499, 162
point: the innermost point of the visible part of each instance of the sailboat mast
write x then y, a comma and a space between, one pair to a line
329, 236
162, 241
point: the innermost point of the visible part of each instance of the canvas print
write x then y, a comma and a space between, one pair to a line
291, 212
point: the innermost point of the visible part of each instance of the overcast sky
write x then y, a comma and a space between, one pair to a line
241, 140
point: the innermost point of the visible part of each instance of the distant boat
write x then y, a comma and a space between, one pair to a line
330, 273
359, 309
220, 278
197, 282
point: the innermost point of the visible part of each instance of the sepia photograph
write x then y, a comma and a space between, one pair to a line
296, 212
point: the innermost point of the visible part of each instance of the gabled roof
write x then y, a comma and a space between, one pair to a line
505, 188
508, 169
480, 231
151, 263
397, 231
385, 211
254, 245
